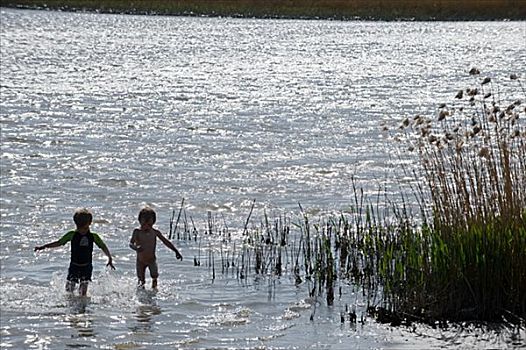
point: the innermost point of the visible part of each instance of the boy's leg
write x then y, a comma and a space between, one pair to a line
72, 279
141, 273
70, 286
83, 288
85, 278
154, 273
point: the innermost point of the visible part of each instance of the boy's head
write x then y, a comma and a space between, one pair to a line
147, 215
82, 217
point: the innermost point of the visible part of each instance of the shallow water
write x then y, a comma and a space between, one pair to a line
113, 112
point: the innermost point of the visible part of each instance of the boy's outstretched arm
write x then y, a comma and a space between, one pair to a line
49, 245
169, 245
63, 240
104, 248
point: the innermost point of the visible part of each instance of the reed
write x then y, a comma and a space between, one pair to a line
461, 259
467, 262
405, 271
335, 9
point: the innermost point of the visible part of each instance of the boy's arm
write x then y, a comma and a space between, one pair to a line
169, 244
65, 239
98, 241
49, 245
108, 254
133, 242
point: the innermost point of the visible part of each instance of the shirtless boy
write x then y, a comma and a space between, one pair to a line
82, 239
143, 241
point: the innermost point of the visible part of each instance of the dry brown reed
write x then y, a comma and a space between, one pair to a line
473, 157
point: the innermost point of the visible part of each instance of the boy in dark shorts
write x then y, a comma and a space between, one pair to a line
143, 241
82, 239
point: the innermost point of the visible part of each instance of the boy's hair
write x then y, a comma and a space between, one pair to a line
146, 214
82, 217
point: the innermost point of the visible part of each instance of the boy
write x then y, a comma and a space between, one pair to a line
143, 241
80, 266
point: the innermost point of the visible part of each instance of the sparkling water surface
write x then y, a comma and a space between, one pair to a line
113, 112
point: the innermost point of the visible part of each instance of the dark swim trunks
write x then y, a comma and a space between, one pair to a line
79, 273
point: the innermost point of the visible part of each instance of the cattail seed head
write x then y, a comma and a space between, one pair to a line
492, 118
473, 92
484, 152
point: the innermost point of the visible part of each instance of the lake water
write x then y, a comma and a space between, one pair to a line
113, 112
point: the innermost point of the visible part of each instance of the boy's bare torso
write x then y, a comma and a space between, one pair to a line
146, 240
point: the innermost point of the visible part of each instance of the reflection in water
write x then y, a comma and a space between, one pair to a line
83, 323
77, 304
145, 311
79, 319
144, 316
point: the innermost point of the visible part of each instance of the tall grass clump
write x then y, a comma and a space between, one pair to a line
463, 259
472, 248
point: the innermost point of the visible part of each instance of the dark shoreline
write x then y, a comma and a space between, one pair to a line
388, 10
